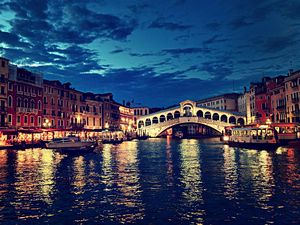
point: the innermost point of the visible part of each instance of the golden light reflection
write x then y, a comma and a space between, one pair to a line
191, 178
230, 172
292, 172
3, 174
128, 184
261, 177
79, 180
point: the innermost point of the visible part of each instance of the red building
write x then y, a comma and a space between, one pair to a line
24, 99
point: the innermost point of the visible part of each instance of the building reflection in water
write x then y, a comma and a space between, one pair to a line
260, 171
121, 175
292, 171
230, 173
190, 179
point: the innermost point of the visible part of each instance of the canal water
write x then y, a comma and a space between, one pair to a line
155, 181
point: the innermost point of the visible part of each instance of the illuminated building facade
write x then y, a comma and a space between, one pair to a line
24, 101
126, 118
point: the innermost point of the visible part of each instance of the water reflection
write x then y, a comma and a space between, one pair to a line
259, 167
191, 180
121, 175
230, 172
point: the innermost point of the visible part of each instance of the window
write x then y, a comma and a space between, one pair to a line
45, 100
18, 102
9, 118
9, 102
2, 92
39, 120
10, 86
32, 120
39, 105
18, 119
25, 119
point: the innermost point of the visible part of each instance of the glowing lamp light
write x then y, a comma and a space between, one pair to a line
226, 138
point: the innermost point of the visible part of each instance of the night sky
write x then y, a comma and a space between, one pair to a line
156, 53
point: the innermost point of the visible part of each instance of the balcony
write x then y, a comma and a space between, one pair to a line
27, 94
26, 110
295, 100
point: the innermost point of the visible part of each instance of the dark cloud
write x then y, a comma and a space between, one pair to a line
12, 39
162, 24
214, 39
183, 51
279, 43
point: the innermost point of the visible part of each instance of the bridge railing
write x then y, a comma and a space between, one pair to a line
192, 119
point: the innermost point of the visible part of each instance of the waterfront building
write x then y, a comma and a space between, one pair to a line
56, 110
292, 96
4, 70
227, 102
110, 111
278, 101
93, 111
24, 101
244, 105
127, 123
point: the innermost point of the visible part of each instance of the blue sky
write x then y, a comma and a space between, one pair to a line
156, 53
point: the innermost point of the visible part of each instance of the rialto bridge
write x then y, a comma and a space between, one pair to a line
187, 112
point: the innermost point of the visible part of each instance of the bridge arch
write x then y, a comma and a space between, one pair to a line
162, 118
170, 116
154, 120
148, 122
232, 120
224, 118
207, 115
200, 113
216, 116
241, 121
141, 124
176, 114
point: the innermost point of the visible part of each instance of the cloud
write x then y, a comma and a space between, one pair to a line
176, 52
214, 26
214, 39
160, 23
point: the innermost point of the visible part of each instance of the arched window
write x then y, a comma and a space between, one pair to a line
169, 116
162, 118
18, 102
224, 118
207, 115
141, 124
148, 122
154, 120
232, 120
39, 105
10, 101
176, 114
241, 121
32, 104
25, 103
200, 113
216, 116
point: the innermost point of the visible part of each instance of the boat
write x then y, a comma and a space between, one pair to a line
255, 137
71, 144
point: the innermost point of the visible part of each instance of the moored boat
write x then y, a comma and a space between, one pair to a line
262, 137
71, 144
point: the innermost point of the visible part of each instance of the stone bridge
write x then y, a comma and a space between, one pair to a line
187, 112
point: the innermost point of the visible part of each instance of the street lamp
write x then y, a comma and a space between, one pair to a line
47, 123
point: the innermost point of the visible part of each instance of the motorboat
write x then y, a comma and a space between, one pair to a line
71, 143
